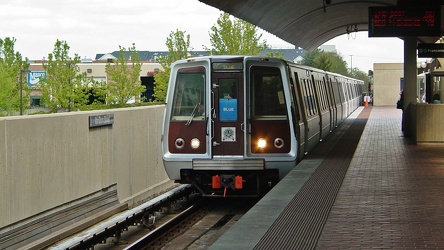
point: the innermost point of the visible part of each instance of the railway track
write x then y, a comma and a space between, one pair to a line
201, 226
181, 220
121, 228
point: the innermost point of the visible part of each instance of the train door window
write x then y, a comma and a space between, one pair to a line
189, 96
342, 91
324, 90
312, 98
326, 93
294, 97
321, 94
306, 97
309, 97
228, 97
267, 92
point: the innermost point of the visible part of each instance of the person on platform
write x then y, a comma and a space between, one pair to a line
436, 99
400, 102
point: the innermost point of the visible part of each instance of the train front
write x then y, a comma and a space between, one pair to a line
228, 128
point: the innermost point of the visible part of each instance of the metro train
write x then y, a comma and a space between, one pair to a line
236, 125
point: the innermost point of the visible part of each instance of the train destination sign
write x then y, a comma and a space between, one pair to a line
432, 50
394, 21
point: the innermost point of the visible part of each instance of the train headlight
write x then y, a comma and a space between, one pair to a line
278, 142
179, 143
261, 143
195, 143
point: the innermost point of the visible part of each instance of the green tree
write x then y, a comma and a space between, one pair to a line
235, 37
322, 61
309, 57
178, 44
327, 61
338, 64
361, 75
63, 86
277, 54
11, 67
124, 77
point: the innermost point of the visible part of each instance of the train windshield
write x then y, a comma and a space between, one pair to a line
189, 96
267, 92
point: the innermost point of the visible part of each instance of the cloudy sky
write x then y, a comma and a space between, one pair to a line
92, 27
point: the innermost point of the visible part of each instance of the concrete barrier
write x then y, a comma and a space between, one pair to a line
48, 161
428, 120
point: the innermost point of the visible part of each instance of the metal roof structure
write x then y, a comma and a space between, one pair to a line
307, 23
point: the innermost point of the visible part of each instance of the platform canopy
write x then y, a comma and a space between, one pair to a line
307, 23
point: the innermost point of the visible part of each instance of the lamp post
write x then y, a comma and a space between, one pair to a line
21, 89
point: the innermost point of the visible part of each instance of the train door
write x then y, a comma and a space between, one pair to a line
302, 117
227, 113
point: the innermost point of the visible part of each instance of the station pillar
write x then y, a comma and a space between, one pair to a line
410, 83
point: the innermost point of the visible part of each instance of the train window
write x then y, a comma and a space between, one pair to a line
267, 92
311, 98
228, 99
307, 99
323, 94
320, 94
189, 95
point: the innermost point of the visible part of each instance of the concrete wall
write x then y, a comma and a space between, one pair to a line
50, 160
427, 122
386, 78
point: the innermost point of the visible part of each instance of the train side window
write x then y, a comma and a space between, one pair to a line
304, 101
306, 97
189, 95
324, 94
267, 92
294, 97
312, 98
321, 95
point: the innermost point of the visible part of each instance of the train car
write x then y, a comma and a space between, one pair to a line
236, 125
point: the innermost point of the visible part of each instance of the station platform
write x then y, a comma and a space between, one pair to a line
364, 187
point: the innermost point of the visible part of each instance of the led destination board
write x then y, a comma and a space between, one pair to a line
398, 21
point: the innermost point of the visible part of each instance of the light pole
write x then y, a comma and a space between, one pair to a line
21, 89
351, 63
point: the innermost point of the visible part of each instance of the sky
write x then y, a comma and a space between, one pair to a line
93, 27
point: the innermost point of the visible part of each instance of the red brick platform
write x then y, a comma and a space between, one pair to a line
366, 187
393, 194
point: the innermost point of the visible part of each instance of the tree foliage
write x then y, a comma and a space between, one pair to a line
124, 77
11, 67
327, 61
63, 86
333, 62
178, 44
309, 57
338, 64
235, 37
361, 75
279, 55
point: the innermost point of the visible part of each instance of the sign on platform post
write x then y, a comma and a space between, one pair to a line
431, 50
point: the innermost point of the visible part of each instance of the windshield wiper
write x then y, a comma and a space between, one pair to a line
192, 115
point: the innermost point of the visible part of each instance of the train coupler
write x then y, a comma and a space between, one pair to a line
227, 181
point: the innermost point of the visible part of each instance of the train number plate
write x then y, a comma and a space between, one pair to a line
228, 134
